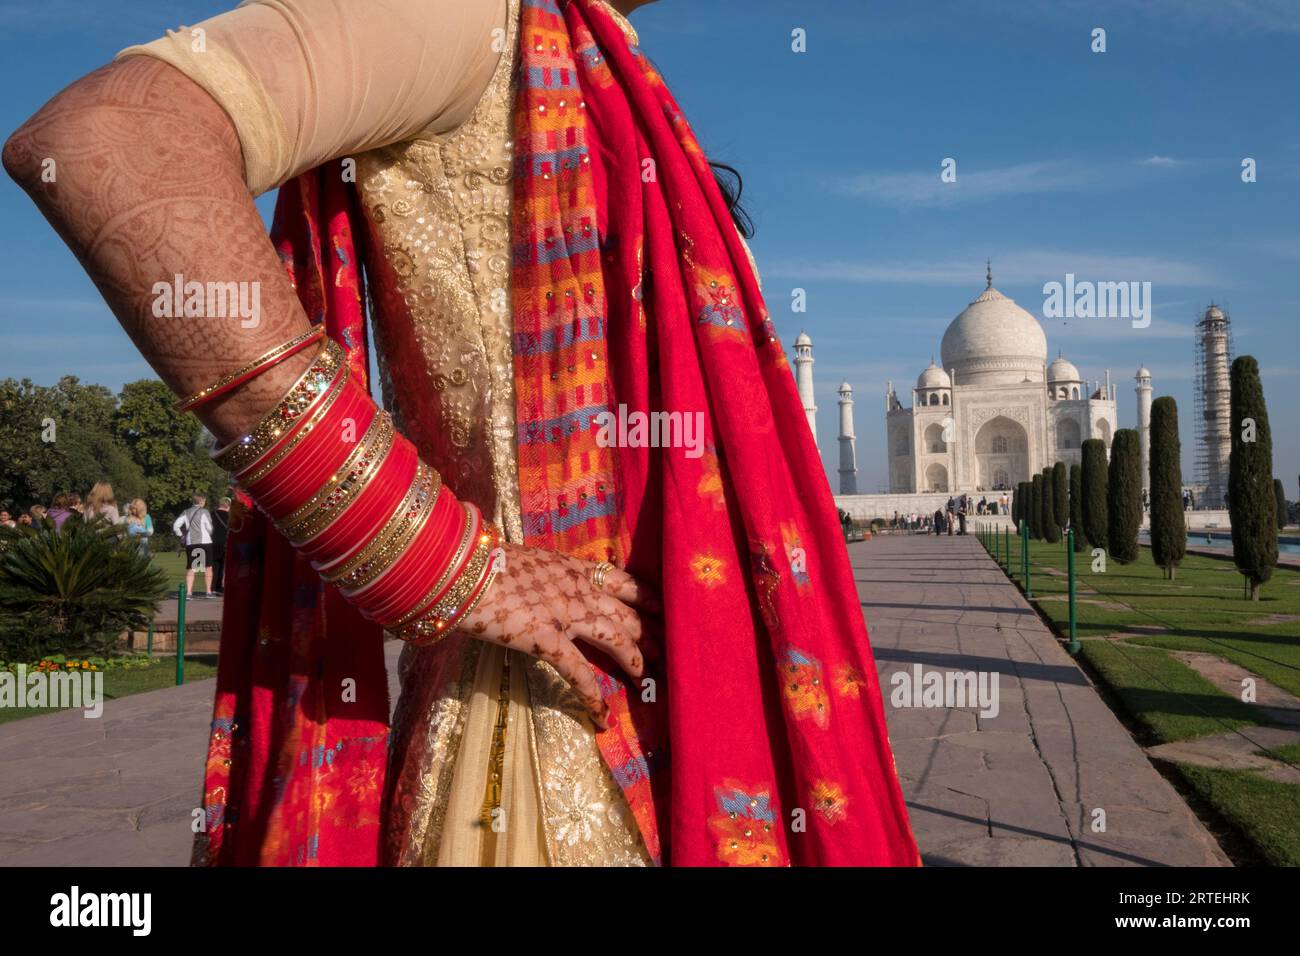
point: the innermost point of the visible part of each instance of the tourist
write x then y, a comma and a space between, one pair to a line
6, 521
220, 529
139, 525
100, 503
61, 509
194, 528
25, 519
938, 521
35, 513
1003, 504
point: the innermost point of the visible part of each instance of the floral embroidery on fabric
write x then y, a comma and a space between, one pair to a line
801, 685
849, 681
798, 557
710, 488
745, 826
709, 569
829, 801
719, 306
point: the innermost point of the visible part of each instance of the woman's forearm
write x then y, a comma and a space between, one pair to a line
140, 171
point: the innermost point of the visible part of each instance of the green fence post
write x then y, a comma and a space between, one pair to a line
1024, 558
1073, 646
1006, 545
180, 634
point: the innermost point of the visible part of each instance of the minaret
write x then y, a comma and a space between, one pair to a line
1215, 434
848, 452
803, 363
1143, 379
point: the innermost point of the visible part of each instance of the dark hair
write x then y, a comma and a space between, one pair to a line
729, 181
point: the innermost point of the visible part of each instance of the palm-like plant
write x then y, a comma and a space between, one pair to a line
73, 589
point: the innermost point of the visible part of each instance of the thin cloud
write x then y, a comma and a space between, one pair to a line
1034, 267
981, 185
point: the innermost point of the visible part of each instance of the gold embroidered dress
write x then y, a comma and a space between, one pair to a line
495, 760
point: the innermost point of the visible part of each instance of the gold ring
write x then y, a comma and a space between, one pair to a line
598, 573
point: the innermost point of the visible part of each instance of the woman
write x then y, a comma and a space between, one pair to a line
554, 710
101, 503
139, 525
66, 505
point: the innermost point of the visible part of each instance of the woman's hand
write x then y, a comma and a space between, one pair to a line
542, 602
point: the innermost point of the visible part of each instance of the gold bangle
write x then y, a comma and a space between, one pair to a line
454, 563
345, 485
480, 570
244, 451
304, 429
202, 395
398, 532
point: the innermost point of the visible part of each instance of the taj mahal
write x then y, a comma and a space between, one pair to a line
995, 412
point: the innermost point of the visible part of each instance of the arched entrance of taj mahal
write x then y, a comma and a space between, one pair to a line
1001, 454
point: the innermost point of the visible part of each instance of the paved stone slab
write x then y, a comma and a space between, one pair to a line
1053, 779
118, 790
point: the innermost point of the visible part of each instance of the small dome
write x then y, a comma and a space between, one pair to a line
803, 339
845, 387
1062, 371
934, 377
1143, 372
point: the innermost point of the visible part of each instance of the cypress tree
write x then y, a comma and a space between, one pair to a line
1095, 521
1124, 496
1047, 520
1036, 507
1022, 504
1280, 494
1015, 506
1168, 527
1061, 494
1251, 504
1076, 508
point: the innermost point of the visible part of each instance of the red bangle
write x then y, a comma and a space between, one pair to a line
408, 578
263, 363
296, 479
358, 524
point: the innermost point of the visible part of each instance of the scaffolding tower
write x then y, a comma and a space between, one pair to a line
1212, 409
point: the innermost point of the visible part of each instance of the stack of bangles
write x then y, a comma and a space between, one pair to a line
329, 468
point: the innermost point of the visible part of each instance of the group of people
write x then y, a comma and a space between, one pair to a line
100, 503
951, 519
202, 533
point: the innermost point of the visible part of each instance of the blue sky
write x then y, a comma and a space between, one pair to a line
1123, 165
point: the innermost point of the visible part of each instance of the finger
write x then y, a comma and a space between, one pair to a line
573, 667
603, 633
632, 592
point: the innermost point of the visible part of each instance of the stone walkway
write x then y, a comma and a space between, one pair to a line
118, 790
1035, 784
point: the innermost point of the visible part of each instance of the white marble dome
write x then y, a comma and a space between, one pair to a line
933, 377
803, 339
993, 341
1062, 370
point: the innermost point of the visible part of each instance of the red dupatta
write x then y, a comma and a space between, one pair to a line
763, 741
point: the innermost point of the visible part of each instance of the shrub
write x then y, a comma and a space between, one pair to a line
73, 590
1168, 526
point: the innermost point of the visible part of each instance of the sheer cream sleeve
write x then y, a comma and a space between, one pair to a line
305, 81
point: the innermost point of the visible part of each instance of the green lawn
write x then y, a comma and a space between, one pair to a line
172, 563
158, 673
1204, 609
